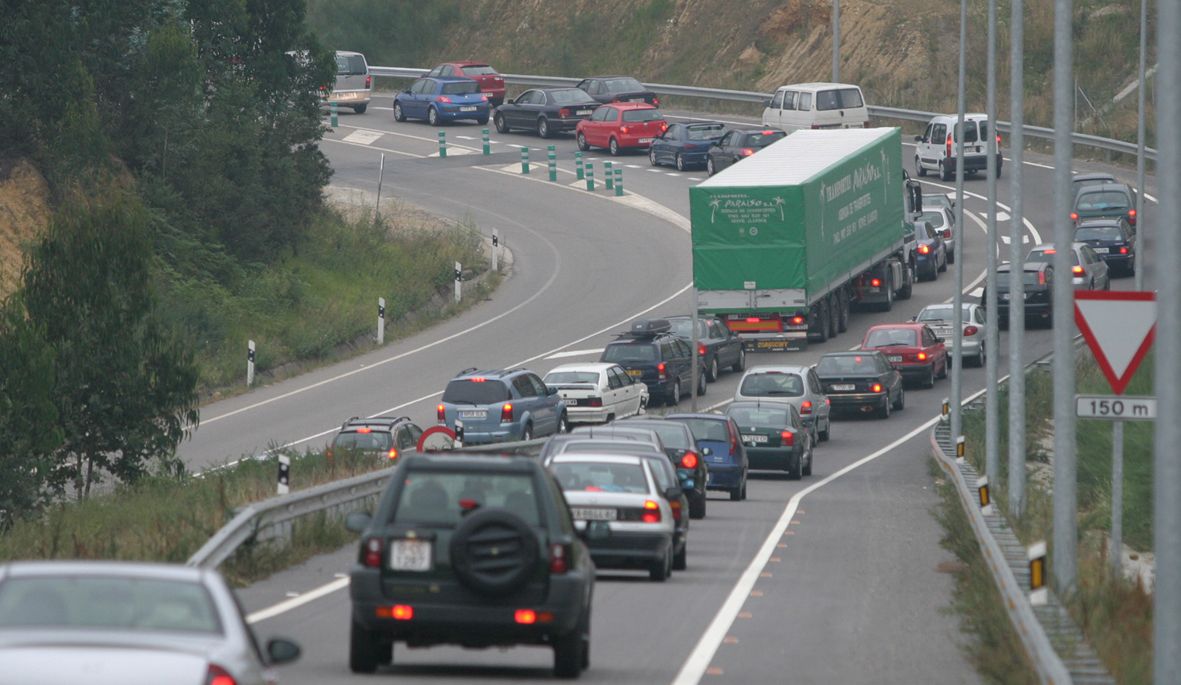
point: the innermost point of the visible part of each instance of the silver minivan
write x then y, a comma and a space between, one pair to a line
816, 105
353, 84
796, 385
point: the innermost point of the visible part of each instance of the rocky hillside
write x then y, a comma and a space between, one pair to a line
24, 214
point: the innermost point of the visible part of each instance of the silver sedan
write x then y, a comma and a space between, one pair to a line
973, 324
103, 623
797, 385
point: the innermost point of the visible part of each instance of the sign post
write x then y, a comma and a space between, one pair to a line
495, 250
381, 321
458, 282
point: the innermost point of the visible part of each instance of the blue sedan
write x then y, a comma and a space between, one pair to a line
441, 99
685, 145
930, 253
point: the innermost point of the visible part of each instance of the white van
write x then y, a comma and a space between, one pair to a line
816, 105
353, 84
936, 149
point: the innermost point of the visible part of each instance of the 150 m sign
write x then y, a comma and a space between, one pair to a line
1115, 407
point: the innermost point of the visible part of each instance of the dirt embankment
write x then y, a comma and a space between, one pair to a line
24, 214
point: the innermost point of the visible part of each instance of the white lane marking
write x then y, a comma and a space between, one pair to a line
455, 151
673, 173
724, 121
1006, 239
633, 166
424, 139
978, 292
465, 137
695, 178
657, 171
1037, 237
372, 147
968, 289
296, 602
362, 136
574, 353
1002, 216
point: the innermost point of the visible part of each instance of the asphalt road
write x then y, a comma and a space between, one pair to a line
835, 578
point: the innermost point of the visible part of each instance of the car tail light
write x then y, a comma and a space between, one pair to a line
364, 429
398, 612
1077, 270
998, 140
663, 126
701, 350
525, 617
1132, 216
971, 330
371, 553
787, 438
368, 81
689, 460
876, 387
564, 113
651, 512
815, 126
441, 412
1123, 250
443, 98
660, 369
924, 249
595, 402
1041, 278
922, 356
328, 454
484, 97
216, 675
947, 233
623, 129
506, 413
393, 453
1074, 216
875, 282
733, 442
768, 133
948, 145
806, 407
1049, 250
655, 102
675, 506
559, 558
797, 320
746, 151
865, 124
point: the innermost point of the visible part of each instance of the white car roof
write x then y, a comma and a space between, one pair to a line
817, 85
589, 366
599, 457
776, 368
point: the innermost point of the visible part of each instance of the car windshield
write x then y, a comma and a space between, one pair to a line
556, 377
764, 415
844, 364
108, 602
630, 353
460, 87
890, 337
707, 429
350, 65
705, 131
478, 69
570, 96
367, 440
1047, 256
842, 98
1104, 199
761, 139
443, 497
1098, 233
943, 313
622, 85
599, 476
645, 114
684, 328
935, 218
774, 384
475, 391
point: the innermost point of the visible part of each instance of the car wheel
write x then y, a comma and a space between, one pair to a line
360, 109
929, 381
808, 463
884, 411
743, 486
702, 384
399, 115
498, 121
385, 653
950, 258
943, 372
900, 404
681, 559
795, 467
736, 493
527, 432
568, 653
680, 162
918, 168
493, 552
482, 120
564, 424
697, 505
710, 170
740, 365
943, 173
543, 127
362, 650
652, 157
661, 570
675, 397
712, 373
582, 142
824, 434
432, 116
613, 147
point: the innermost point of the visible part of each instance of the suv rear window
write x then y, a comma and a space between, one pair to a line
629, 352
620, 85
597, 476
350, 65
442, 497
363, 441
760, 416
469, 391
772, 385
846, 363
461, 87
1098, 233
843, 98
1107, 199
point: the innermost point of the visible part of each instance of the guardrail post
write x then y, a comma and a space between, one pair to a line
619, 181
495, 250
945, 410
458, 282
458, 433
984, 495
284, 474
332, 118
551, 158
590, 176
249, 363
1038, 593
442, 143
578, 172
524, 159
608, 176
381, 321
486, 141
959, 449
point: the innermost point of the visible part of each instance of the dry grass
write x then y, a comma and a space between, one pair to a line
24, 215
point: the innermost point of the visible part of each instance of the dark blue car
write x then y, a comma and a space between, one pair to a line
930, 252
685, 145
720, 442
441, 99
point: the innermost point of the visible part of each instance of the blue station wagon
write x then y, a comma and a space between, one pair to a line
502, 406
442, 99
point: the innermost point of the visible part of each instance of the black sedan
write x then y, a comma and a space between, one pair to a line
775, 436
1038, 281
861, 380
1113, 240
606, 89
738, 144
685, 145
717, 346
544, 110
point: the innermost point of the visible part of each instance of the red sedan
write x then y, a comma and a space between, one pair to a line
491, 82
912, 348
621, 126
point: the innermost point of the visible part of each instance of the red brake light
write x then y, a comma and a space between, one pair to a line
1077, 270
368, 81
1123, 250
393, 453
398, 612
564, 112
797, 320
768, 133
559, 558
1041, 278
506, 413
596, 401
442, 98
787, 438
924, 249
442, 413
922, 356
675, 506
371, 556
752, 319
806, 407
701, 350
216, 675
875, 282
526, 617
689, 460
660, 369
664, 126
947, 233
651, 512
1074, 216
364, 429
623, 129
876, 387
1049, 250
1132, 216
948, 145
971, 330
478, 379
998, 140
655, 102
746, 151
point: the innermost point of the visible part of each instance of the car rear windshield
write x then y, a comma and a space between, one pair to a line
598, 476
350, 65
841, 98
571, 96
572, 377
469, 391
943, 313
609, 446
970, 135
707, 429
460, 87
937, 219
759, 416
1105, 199
761, 138
108, 602
645, 114
887, 337
671, 434
363, 441
622, 85
1047, 256
625, 353
684, 328
705, 131
840, 365
772, 385
1097, 233
478, 69
443, 497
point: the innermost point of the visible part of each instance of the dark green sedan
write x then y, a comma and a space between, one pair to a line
774, 435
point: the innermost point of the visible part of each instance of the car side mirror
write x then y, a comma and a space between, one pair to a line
939, 340
551, 391
914, 318
357, 521
766, 102
672, 492
919, 139
705, 451
282, 651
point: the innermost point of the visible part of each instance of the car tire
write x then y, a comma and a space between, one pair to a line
736, 493
482, 121
360, 109
711, 373
744, 487
950, 259
900, 404
681, 559
710, 170
942, 268
943, 373
527, 432
362, 650
795, 468
697, 506
824, 434
564, 424
834, 314
582, 144
652, 157
385, 652
661, 570
978, 361
674, 397
889, 303
568, 653
399, 115
905, 292
884, 410
432, 116
613, 147
740, 365
680, 162
918, 167
929, 382
823, 324
843, 314
702, 384
543, 127
499, 122
943, 174
808, 464
509, 570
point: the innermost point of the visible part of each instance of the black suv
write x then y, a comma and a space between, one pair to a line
388, 436
652, 354
470, 550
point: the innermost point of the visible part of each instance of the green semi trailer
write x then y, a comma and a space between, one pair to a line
786, 242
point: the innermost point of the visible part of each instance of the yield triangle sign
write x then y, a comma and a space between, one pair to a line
1119, 327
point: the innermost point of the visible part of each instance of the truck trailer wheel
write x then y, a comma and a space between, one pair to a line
821, 315
906, 290
834, 315
843, 311
889, 303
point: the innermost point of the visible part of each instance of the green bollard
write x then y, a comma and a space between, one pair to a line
487, 143
618, 181
608, 176
442, 143
590, 176
333, 118
578, 166
524, 160
552, 159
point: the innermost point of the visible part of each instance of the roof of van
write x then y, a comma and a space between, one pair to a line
346, 52
797, 158
818, 85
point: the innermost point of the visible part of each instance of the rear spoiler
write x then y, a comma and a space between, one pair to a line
573, 386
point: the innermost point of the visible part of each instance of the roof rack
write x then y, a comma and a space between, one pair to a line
648, 328
466, 371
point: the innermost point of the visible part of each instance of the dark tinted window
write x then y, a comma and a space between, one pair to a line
371, 440
772, 384
684, 327
761, 138
622, 85
937, 218
637, 115
705, 131
478, 70
570, 96
442, 496
624, 353
838, 365
1047, 256
1106, 199
1098, 233
671, 434
137, 604
350, 65
844, 98
593, 476
884, 337
475, 391
765, 415
970, 128
461, 87
707, 429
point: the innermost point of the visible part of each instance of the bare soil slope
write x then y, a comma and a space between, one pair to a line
24, 214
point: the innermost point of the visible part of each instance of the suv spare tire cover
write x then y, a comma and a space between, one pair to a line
493, 551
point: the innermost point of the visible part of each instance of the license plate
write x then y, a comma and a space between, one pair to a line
471, 108
754, 439
843, 387
645, 140
1005, 296
771, 345
410, 555
586, 514
894, 358
571, 403
942, 332
583, 112
1102, 250
636, 100
635, 373
473, 414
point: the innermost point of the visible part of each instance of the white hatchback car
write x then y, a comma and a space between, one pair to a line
975, 330
598, 392
797, 385
937, 149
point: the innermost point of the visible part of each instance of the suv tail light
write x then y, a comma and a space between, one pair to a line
971, 330
876, 387
371, 553
1074, 216
1132, 216
441, 411
216, 675
393, 453
948, 145
651, 512
442, 98
924, 249
746, 151
506, 413
875, 282
368, 81
787, 439
1041, 278
398, 612
660, 369
701, 350
806, 407
689, 460
1077, 270
947, 234
559, 558
564, 113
